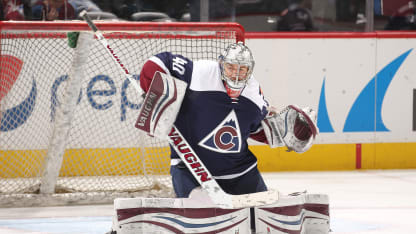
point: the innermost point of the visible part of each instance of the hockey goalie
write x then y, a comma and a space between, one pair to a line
207, 110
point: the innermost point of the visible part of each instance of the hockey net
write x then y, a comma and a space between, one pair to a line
67, 131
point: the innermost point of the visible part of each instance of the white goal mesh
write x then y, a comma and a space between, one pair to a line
98, 154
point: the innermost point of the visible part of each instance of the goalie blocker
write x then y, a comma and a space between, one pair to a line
293, 127
161, 105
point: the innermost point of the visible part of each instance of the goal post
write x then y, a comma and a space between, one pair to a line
67, 114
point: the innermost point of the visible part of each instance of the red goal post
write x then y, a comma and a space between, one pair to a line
67, 114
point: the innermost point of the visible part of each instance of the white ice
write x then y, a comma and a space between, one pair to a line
361, 201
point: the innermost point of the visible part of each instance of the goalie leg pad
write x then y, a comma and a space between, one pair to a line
176, 215
293, 213
161, 105
296, 213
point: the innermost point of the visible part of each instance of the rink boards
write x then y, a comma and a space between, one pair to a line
362, 85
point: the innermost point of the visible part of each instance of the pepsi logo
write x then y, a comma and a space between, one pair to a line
14, 117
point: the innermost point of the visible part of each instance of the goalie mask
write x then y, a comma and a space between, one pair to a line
236, 65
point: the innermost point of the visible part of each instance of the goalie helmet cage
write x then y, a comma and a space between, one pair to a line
67, 114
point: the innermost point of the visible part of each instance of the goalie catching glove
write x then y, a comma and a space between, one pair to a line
293, 127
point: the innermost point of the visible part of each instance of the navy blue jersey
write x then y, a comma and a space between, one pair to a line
216, 126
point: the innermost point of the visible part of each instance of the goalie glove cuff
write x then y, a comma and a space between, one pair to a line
271, 130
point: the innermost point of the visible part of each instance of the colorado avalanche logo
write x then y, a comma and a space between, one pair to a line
226, 138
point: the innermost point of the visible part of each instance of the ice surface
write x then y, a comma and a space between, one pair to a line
361, 201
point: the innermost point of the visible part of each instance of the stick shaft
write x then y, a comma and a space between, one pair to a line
210, 185
115, 58
190, 158
198, 169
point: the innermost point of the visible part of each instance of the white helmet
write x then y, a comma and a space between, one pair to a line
239, 56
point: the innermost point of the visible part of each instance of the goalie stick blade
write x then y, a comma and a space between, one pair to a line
223, 200
214, 196
255, 199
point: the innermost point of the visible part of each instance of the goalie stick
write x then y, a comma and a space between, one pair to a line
210, 185
188, 155
104, 42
